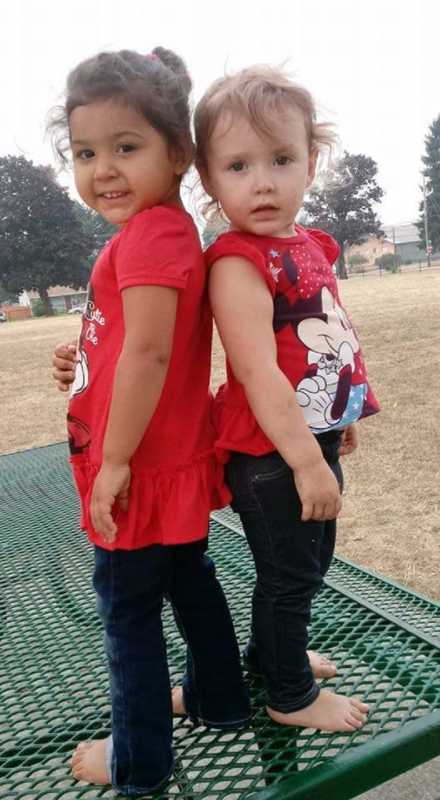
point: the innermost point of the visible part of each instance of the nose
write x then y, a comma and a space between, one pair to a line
263, 182
104, 167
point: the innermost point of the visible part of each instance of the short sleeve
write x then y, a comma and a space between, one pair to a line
156, 247
232, 244
328, 245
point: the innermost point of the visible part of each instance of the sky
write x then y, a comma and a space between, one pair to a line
372, 66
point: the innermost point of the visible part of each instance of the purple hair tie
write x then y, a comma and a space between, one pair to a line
152, 57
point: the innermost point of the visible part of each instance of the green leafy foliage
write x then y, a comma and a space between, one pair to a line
7, 297
357, 259
343, 203
42, 241
431, 171
95, 228
389, 261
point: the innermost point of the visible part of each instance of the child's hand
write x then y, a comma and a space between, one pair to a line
63, 361
111, 483
318, 491
349, 441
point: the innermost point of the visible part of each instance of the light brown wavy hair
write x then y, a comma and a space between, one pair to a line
260, 94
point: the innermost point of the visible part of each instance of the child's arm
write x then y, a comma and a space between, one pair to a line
243, 310
149, 318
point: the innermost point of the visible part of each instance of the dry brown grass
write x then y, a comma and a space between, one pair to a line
33, 411
391, 517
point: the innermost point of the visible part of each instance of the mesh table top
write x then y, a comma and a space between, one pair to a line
53, 677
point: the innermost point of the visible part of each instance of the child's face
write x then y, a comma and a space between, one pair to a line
122, 164
260, 181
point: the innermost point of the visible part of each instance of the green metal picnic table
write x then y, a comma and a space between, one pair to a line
53, 678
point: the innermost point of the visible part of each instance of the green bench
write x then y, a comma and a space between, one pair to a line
53, 679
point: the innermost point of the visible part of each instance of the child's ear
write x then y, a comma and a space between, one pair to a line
313, 160
204, 177
181, 158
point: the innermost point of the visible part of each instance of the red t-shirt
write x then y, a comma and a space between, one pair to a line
175, 477
317, 346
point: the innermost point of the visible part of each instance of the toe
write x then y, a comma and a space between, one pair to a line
363, 707
76, 769
358, 720
358, 713
78, 753
353, 723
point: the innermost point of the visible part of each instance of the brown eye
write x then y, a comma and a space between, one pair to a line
126, 148
85, 154
282, 161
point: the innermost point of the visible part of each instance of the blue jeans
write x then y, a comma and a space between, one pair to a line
130, 585
291, 558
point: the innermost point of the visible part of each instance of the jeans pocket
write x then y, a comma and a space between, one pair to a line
272, 472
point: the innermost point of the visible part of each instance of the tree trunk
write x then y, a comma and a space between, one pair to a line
341, 269
44, 297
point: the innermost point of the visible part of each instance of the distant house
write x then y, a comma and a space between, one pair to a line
373, 247
404, 238
409, 246
62, 298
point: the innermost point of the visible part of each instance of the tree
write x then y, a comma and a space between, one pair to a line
95, 228
7, 297
389, 261
431, 171
42, 242
343, 203
356, 263
357, 260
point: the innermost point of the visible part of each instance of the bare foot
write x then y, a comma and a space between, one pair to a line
329, 712
177, 701
88, 762
321, 666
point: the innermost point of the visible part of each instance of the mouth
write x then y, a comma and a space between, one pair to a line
112, 195
266, 209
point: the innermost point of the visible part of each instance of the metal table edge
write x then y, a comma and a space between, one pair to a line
365, 766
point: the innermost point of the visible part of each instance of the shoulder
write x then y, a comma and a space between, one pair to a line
235, 244
160, 221
328, 245
236, 259
160, 245
163, 234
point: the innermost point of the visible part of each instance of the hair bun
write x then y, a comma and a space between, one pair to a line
176, 64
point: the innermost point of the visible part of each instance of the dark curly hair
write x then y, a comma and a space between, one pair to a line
156, 85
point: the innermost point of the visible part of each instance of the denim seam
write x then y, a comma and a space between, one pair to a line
269, 538
304, 702
194, 718
121, 684
225, 725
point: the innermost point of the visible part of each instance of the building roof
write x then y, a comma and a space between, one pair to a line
403, 233
56, 291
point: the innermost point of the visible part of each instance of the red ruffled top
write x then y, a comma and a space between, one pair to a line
176, 478
317, 346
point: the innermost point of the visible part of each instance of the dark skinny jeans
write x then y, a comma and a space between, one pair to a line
131, 585
291, 559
